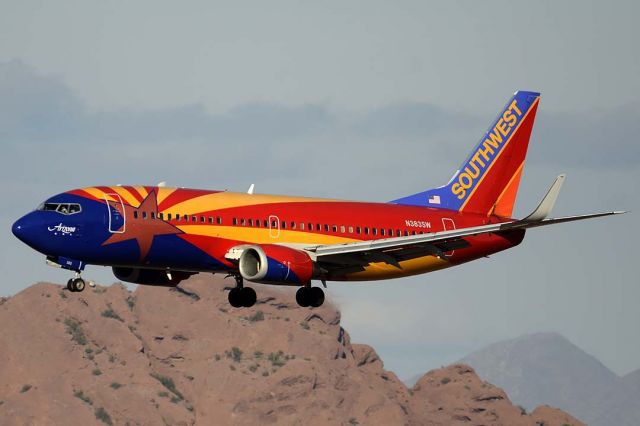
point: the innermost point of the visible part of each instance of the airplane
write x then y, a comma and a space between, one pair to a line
157, 235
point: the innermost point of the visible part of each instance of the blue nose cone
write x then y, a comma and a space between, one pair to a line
25, 228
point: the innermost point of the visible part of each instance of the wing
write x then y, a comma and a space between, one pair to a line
353, 257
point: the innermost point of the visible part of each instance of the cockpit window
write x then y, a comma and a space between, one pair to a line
62, 208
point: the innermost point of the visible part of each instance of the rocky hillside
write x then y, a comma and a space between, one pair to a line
548, 367
183, 356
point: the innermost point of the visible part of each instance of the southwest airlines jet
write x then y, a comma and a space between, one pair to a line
161, 236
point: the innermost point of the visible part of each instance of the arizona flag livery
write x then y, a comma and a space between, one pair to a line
157, 235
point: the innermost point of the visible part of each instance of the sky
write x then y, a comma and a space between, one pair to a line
355, 100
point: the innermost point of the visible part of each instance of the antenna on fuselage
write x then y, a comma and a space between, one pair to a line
161, 184
250, 191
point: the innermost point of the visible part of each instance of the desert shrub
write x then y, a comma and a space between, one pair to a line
277, 359
96, 372
168, 383
101, 414
235, 354
163, 394
304, 324
445, 380
80, 395
258, 316
131, 302
253, 368
115, 385
110, 313
25, 388
523, 411
75, 330
257, 354
217, 357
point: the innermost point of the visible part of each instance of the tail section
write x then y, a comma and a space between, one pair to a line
487, 182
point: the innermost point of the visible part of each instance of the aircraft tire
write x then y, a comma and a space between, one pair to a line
78, 284
302, 297
235, 297
249, 297
70, 285
316, 297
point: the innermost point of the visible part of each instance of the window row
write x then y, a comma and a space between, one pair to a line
177, 217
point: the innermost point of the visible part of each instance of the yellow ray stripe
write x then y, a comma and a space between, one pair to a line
263, 235
99, 194
163, 193
495, 160
381, 270
127, 197
143, 192
223, 200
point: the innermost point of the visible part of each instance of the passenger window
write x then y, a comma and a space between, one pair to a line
160, 216
201, 219
326, 228
366, 230
302, 226
219, 220
382, 232
318, 227
185, 218
210, 219
153, 215
242, 222
293, 225
273, 223
374, 231
257, 223
169, 216
398, 233
283, 224
135, 214
406, 233
144, 215
390, 233
266, 223
309, 226
413, 232
342, 229
235, 221
194, 218
334, 228
351, 229
177, 216
357, 230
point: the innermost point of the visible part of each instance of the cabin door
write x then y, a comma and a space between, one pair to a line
448, 225
116, 217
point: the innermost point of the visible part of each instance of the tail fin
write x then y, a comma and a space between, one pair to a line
487, 182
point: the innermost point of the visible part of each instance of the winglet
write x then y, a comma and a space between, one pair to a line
547, 203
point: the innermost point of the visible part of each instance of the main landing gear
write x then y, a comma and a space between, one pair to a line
241, 296
76, 284
310, 296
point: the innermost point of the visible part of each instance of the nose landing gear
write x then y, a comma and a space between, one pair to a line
76, 284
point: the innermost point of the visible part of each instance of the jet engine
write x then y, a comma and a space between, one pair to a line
150, 276
273, 264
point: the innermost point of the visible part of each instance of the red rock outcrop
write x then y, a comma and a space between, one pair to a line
184, 356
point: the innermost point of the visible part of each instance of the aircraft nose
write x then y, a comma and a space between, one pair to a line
24, 227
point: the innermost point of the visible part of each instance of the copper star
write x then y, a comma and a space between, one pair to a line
142, 229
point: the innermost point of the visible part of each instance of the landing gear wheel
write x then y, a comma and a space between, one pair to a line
70, 284
316, 297
235, 297
302, 297
78, 284
249, 297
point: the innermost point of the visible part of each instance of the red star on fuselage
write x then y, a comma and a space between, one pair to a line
142, 224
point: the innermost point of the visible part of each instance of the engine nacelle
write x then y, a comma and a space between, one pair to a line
274, 264
150, 276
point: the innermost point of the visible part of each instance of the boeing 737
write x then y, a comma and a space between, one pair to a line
158, 235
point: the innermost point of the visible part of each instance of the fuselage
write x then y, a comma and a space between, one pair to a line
194, 230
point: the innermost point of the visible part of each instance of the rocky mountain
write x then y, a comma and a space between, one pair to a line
182, 356
547, 368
